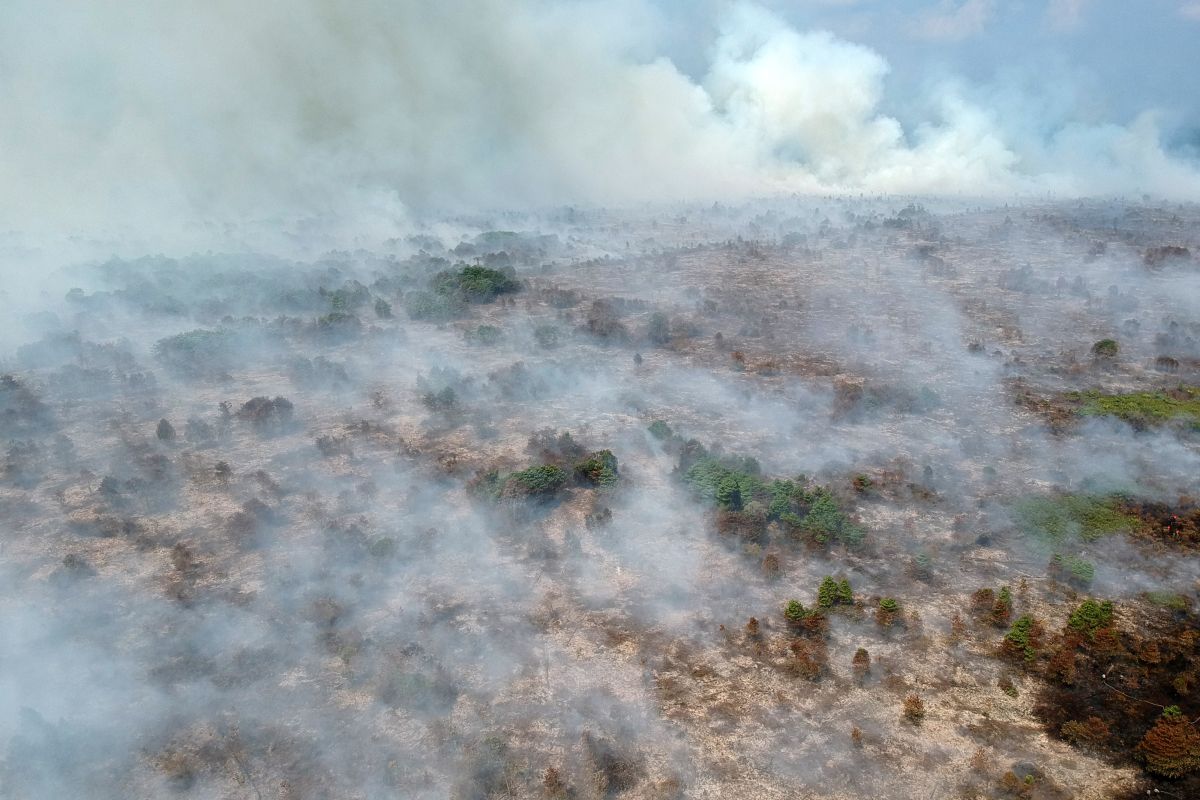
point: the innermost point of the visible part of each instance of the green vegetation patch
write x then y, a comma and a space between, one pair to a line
1061, 518
1091, 616
474, 284
1172, 600
733, 483
545, 479
1022, 637
598, 469
1143, 409
1073, 569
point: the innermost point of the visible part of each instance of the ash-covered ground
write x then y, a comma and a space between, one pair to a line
518, 507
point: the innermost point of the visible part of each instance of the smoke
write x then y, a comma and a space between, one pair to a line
142, 116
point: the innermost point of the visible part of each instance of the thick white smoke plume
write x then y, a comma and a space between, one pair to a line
140, 114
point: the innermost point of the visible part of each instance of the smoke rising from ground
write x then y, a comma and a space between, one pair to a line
145, 115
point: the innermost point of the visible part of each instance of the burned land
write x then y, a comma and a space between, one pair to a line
798, 498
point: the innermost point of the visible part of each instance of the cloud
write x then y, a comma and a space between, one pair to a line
955, 22
1190, 11
1065, 14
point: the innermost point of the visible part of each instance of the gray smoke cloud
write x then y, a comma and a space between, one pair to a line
139, 115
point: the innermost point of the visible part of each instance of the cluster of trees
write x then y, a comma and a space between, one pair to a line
563, 462
747, 501
450, 291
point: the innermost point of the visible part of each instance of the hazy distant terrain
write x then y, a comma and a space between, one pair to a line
516, 508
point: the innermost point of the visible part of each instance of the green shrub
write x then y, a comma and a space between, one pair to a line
474, 284
545, 479
1106, 348
1090, 616
825, 521
733, 483
720, 484
598, 469
796, 613
1074, 569
845, 595
1021, 638
1002, 608
827, 592
832, 592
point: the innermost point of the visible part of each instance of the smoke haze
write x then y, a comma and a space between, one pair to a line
578, 400
141, 115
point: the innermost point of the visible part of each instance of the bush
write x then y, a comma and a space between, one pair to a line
732, 484
339, 323
1002, 608
165, 431
383, 309
555, 448
1106, 349
801, 619
861, 663
887, 612
598, 469
832, 592
1092, 732
1023, 638
1090, 616
543, 480
845, 593
266, 412
827, 592
474, 284
914, 709
1073, 570
1172, 747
